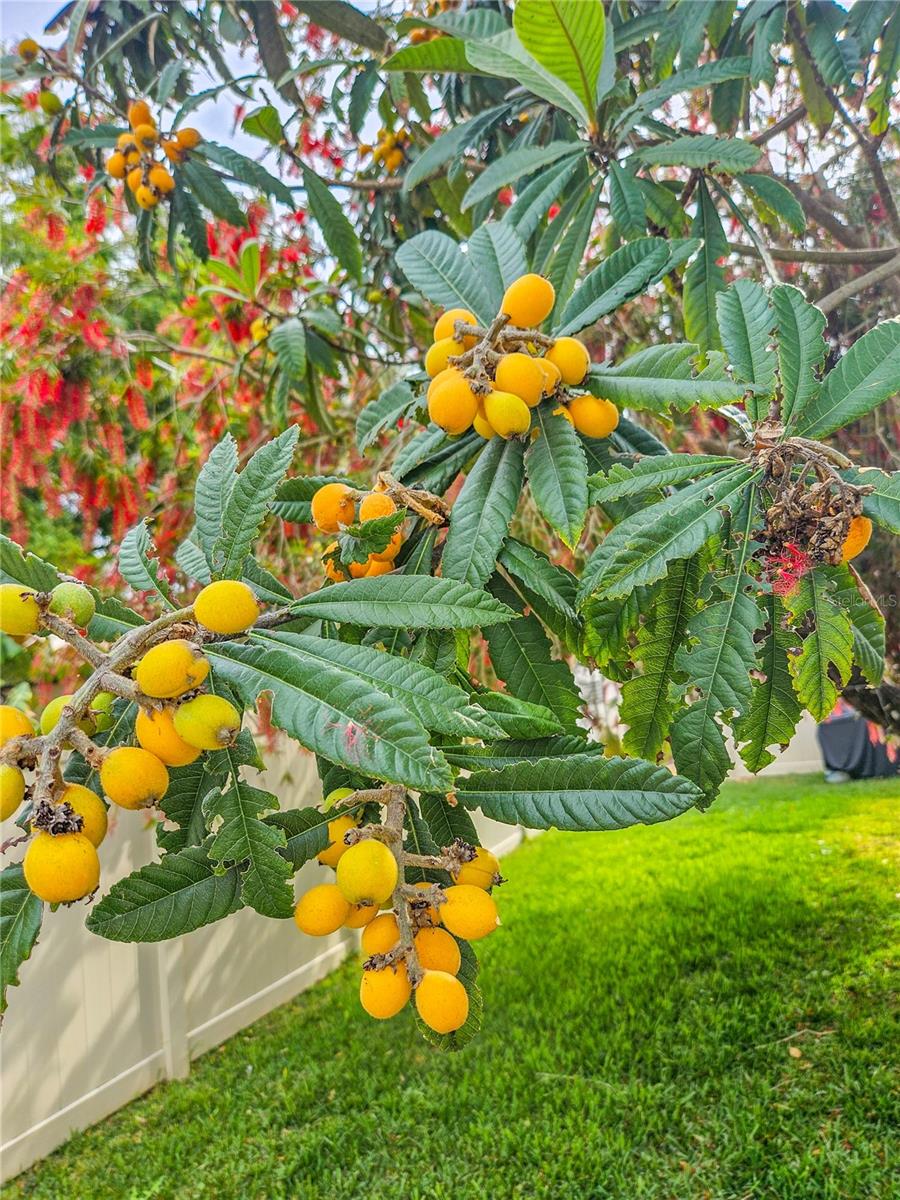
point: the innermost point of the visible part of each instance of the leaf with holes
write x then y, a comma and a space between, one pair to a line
826, 652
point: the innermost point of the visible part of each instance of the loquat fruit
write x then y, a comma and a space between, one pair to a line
89, 807
857, 538
146, 197
210, 722
116, 165
593, 418
378, 566
135, 178
375, 505
506, 413
384, 993
431, 912
333, 570
333, 506
13, 723
50, 103
482, 871
528, 301
51, 714
437, 950
171, 669
145, 136
226, 606
162, 180
453, 405
442, 1002
381, 935
139, 114
173, 152
572, 359
132, 777
101, 711
367, 873
335, 796
19, 612
188, 138
155, 731
361, 915
439, 354
28, 50
337, 847
74, 603
321, 910
61, 868
469, 912
445, 325
388, 554
552, 376
523, 376
12, 790
482, 425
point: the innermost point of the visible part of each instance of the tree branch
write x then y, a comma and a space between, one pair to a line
855, 286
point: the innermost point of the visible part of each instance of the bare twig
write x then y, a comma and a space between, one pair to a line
855, 286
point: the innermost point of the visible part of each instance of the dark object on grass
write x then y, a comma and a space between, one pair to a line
847, 746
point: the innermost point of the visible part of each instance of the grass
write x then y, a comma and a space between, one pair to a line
700, 1010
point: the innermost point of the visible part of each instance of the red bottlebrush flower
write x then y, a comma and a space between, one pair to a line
143, 373
506, 196
96, 215
288, 10
56, 229
95, 336
552, 211
785, 570
137, 410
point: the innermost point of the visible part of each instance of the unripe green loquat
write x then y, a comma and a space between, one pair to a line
73, 602
12, 790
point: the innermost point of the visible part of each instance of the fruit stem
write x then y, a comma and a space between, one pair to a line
393, 825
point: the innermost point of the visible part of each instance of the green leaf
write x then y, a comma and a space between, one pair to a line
561, 266
584, 792
248, 171
867, 375
20, 923
682, 81
435, 702
452, 144
208, 188
521, 656
648, 474
442, 55
548, 589
294, 495
799, 327
660, 378
777, 199
519, 718
705, 278
818, 106
180, 893
626, 202
340, 236
836, 57
250, 499
213, 489
137, 567
288, 341
363, 538
186, 212
346, 21
882, 505
111, 619
512, 166
306, 830
772, 715
866, 619
404, 602
623, 275
557, 474
383, 412
496, 755
504, 55
567, 38
448, 821
650, 699
336, 714
482, 511
498, 252
183, 802
745, 321
436, 267
639, 549
253, 847
264, 123
702, 150
826, 651
20, 566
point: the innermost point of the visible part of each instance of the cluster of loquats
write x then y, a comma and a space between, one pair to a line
175, 724
335, 507
134, 158
391, 149
411, 932
491, 378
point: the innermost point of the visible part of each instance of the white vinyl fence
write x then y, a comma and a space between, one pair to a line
95, 1023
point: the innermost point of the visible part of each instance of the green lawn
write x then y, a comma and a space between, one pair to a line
698, 1010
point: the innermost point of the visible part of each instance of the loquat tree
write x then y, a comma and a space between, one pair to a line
525, 513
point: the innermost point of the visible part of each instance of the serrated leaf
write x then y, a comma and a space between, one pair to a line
436, 703
496, 755
183, 802
648, 474
521, 656
442, 55
253, 847
826, 652
705, 278
799, 327
777, 199
745, 322
773, 712
865, 618
20, 923
519, 718
626, 203
334, 713
660, 378
346, 21
682, 81
883, 504
618, 278
567, 38
264, 123
557, 474
468, 134
180, 893
436, 267
288, 341
186, 212
381, 413
136, 563
306, 831
21, 566
505, 56
481, 513
214, 486
867, 375
248, 171
250, 499
509, 167
340, 236
637, 551
209, 189
579, 793
530, 207
404, 602
702, 150
650, 699
549, 590
699, 742
448, 821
